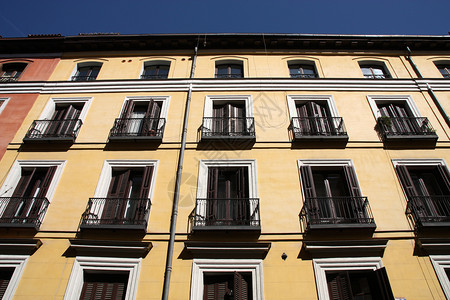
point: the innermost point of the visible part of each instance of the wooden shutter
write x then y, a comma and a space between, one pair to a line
213, 186
339, 287
128, 109
443, 171
241, 211
5, 277
153, 113
118, 191
406, 181
240, 287
216, 287
308, 182
144, 192
352, 182
218, 121
47, 180
385, 290
104, 287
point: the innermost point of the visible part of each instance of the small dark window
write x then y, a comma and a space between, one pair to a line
302, 71
5, 277
101, 286
87, 73
374, 71
11, 71
227, 286
156, 72
229, 71
444, 69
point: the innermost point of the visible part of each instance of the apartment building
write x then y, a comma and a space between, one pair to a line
226, 166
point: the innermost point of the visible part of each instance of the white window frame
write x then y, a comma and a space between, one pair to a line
230, 61
374, 99
17, 262
106, 174
164, 99
326, 163
292, 99
85, 64
418, 162
81, 264
440, 263
162, 62
202, 185
14, 175
202, 266
50, 108
246, 99
322, 265
2, 105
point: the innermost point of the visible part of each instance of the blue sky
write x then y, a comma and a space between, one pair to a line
412, 17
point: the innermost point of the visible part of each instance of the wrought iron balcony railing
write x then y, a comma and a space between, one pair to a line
228, 127
27, 212
84, 78
53, 130
318, 126
116, 213
297, 76
383, 76
418, 127
154, 76
9, 79
429, 210
138, 128
336, 212
226, 214
237, 75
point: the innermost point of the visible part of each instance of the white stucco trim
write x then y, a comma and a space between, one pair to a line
81, 264
440, 264
322, 265
2, 105
49, 109
14, 174
17, 262
373, 99
291, 99
418, 162
201, 266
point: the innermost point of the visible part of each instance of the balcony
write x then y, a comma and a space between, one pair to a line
84, 78
429, 211
229, 76
116, 213
154, 77
337, 213
319, 129
303, 76
228, 129
226, 214
406, 128
51, 130
9, 79
22, 212
143, 129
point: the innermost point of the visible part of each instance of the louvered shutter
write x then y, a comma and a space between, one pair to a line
241, 209
69, 120
443, 171
236, 114
303, 122
215, 288
104, 287
213, 185
219, 121
240, 287
406, 181
5, 277
43, 189
18, 194
117, 193
308, 182
385, 290
144, 192
352, 182
153, 115
339, 287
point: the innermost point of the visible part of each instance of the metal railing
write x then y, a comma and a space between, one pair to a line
336, 210
238, 75
9, 79
226, 212
228, 127
42, 129
138, 127
429, 209
297, 76
120, 212
384, 76
318, 126
22, 211
154, 76
84, 78
405, 126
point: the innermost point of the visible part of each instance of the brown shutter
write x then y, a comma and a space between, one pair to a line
215, 287
153, 113
128, 109
23, 182
352, 182
213, 185
240, 287
339, 286
241, 211
384, 285
46, 182
443, 171
5, 277
308, 182
104, 287
37, 203
218, 121
118, 189
144, 193
406, 181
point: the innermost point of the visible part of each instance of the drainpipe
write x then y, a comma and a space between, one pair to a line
176, 197
430, 90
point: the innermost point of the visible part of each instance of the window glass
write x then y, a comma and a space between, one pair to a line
445, 70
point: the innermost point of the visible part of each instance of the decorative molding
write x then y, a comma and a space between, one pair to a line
18, 263
441, 263
226, 249
108, 248
19, 246
343, 248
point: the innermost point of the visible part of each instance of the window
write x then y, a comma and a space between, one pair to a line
61, 120
214, 279
87, 71
374, 70
228, 116
122, 197
11, 269
351, 278
331, 194
11, 71
315, 116
441, 264
229, 69
230, 196
444, 69
398, 116
297, 70
101, 278
426, 184
27, 191
156, 70
141, 117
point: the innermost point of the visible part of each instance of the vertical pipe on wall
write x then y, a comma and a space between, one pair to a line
173, 223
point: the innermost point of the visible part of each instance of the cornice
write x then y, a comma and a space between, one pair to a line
182, 85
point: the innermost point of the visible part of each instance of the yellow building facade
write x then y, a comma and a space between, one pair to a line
230, 167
